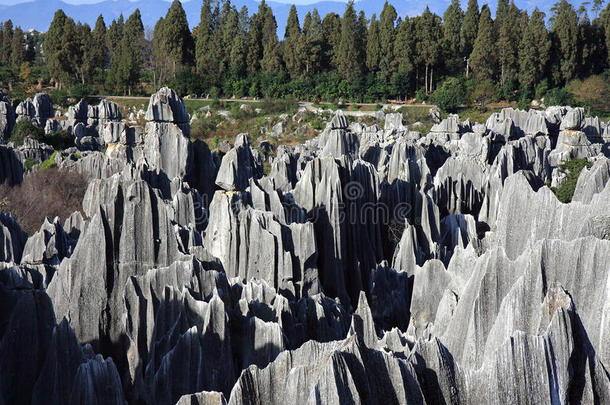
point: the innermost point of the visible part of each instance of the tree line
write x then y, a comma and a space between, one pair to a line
351, 56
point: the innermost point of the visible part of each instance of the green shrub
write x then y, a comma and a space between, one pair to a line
79, 91
421, 96
24, 129
484, 92
49, 163
201, 128
524, 103
59, 97
213, 143
572, 169
450, 95
542, 88
558, 96
60, 140
29, 163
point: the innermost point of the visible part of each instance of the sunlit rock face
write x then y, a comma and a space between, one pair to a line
371, 264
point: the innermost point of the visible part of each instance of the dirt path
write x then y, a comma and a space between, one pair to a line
308, 105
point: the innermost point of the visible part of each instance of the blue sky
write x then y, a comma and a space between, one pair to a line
11, 2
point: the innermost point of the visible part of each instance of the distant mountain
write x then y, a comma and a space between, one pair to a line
39, 13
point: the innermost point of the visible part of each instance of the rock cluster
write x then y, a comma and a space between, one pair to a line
7, 118
37, 110
368, 265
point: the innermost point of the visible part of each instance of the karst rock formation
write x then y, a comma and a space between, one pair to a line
368, 265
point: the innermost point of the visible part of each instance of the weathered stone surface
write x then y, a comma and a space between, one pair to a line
36, 110
238, 166
47, 246
368, 266
573, 120
12, 239
394, 121
166, 106
166, 148
7, 118
11, 167
339, 121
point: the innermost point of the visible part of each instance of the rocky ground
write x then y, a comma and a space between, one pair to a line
369, 265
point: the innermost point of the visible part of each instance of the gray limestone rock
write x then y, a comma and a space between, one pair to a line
78, 112
168, 149
339, 121
340, 142
203, 398
47, 246
7, 118
166, 106
97, 382
574, 120
435, 115
205, 281
592, 181
395, 122
36, 110
238, 166
11, 167
12, 237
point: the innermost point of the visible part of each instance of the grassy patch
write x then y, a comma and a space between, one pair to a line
477, 114
572, 169
193, 105
49, 163
29, 163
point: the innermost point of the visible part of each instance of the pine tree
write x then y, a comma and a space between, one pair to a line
428, 34
255, 44
114, 36
30, 48
592, 53
387, 36
7, 42
331, 34
1, 42
362, 24
177, 39
509, 35
52, 45
534, 53
18, 48
405, 42
373, 47
293, 46
160, 60
228, 31
100, 50
239, 45
470, 29
452, 26
501, 12
604, 23
131, 56
484, 60
272, 60
347, 60
84, 63
565, 30
312, 30
70, 51
205, 54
